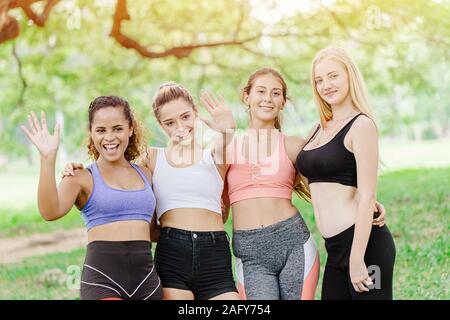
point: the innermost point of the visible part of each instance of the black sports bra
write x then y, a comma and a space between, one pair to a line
332, 162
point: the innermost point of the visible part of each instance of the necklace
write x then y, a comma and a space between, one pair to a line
322, 135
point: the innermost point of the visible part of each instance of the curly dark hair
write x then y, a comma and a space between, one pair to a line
136, 144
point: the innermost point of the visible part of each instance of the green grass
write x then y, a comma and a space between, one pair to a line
19, 214
418, 206
23, 281
419, 217
25, 221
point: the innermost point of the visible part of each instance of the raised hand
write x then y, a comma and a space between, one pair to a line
222, 117
39, 135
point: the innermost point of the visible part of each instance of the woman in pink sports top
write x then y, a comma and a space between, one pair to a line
276, 256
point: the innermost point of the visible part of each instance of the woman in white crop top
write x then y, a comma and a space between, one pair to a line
193, 255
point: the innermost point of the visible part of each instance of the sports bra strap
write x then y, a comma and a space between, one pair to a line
348, 125
141, 173
314, 134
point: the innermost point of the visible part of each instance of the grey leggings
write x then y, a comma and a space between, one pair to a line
276, 262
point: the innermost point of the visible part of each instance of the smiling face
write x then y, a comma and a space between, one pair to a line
265, 98
110, 133
331, 81
177, 119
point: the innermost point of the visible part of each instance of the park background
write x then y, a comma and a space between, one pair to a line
57, 55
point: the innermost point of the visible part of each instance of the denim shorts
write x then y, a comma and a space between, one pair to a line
198, 261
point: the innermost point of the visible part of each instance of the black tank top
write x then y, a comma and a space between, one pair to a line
332, 162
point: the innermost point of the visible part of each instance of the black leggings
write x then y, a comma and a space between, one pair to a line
379, 259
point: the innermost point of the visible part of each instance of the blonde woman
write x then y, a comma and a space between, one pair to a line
340, 164
276, 256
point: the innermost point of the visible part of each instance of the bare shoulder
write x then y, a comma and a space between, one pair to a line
81, 174
364, 125
293, 145
81, 178
293, 142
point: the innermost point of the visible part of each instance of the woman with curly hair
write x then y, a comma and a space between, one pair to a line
114, 196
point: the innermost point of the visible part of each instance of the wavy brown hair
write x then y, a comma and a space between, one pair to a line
136, 143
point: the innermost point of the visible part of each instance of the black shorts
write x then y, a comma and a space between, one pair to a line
196, 261
119, 270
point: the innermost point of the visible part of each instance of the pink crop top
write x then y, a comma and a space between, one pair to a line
270, 177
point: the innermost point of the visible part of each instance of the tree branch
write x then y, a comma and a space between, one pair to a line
178, 51
17, 3
41, 19
10, 27
21, 76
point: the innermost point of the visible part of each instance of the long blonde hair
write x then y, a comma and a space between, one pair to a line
358, 92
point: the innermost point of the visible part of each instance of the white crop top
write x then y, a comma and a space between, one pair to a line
196, 186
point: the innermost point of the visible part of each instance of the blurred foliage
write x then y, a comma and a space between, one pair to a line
402, 48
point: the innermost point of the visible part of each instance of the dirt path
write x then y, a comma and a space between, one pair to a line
13, 250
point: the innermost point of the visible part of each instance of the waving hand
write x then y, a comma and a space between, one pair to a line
39, 135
